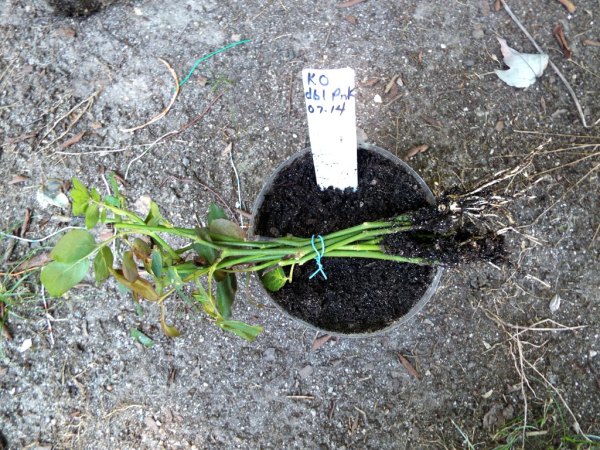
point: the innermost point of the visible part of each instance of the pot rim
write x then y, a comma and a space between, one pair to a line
417, 307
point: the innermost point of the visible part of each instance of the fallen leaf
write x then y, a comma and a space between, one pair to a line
26, 345
416, 150
66, 32
25, 225
484, 6
227, 150
201, 80
591, 42
39, 260
352, 19
320, 341
569, 5
431, 121
51, 194
18, 179
555, 303
369, 82
562, 41
349, 3
497, 5
408, 366
74, 140
6, 334
524, 68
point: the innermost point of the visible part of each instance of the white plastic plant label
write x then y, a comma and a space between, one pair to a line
330, 108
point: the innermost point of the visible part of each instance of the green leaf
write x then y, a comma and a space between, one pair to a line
103, 263
207, 253
59, 277
169, 330
248, 332
141, 287
92, 215
215, 212
141, 338
114, 186
80, 196
174, 277
206, 301
226, 290
154, 217
74, 246
130, 271
112, 201
157, 264
95, 195
274, 279
226, 227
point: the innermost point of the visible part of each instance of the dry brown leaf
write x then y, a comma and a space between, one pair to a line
499, 125
201, 80
591, 42
227, 150
352, 19
409, 367
39, 260
73, 140
562, 41
569, 5
349, 3
416, 150
18, 179
369, 82
320, 341
66, 32
431, 121
484, 6
25, 225
6, 334
497, 5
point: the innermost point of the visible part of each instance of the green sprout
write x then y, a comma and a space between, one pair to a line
153, 270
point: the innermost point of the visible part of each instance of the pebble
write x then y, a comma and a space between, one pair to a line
306, 371
269, 354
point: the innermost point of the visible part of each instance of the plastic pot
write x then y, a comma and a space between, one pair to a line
403, 293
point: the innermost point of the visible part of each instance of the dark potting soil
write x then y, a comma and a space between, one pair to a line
359, 295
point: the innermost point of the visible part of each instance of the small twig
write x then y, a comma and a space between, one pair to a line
301, 397
556, 70
121, 409
89, 101
164, 111
213, 192
47, 317
239, 188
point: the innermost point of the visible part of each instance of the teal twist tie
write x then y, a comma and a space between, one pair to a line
318, 257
